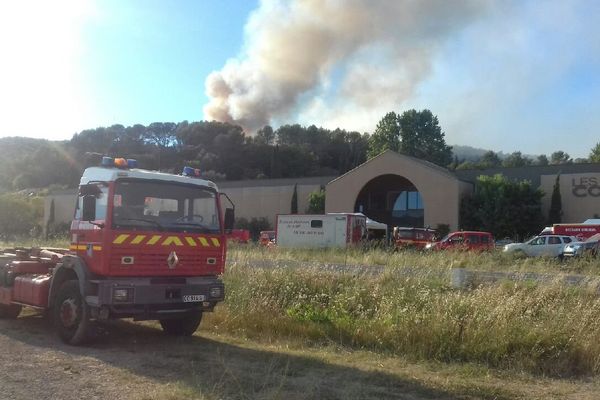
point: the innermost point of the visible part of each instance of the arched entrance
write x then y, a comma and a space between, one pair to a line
393, 200
371, 187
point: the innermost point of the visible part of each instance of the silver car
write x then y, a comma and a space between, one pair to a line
543, 245
577, 249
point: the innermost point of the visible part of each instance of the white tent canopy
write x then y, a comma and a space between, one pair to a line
376, 225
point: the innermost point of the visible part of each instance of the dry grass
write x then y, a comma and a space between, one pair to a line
549, 329
440, 260
36, 242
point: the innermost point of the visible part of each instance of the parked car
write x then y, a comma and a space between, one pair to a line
464, 240
542, 245
591, 247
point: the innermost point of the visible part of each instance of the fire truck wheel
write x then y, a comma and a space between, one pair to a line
71, 314
185, 326
9, 311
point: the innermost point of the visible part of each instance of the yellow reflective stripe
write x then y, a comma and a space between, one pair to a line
84, 247
120, 239
138, 239
172, 239
154, 239
168, 240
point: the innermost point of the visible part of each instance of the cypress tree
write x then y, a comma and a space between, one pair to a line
50, 222
555, 213
295, 200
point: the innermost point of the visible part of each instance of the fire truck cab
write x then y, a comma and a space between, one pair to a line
144, 245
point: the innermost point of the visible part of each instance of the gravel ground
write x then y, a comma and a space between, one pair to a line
36, 365
136, 361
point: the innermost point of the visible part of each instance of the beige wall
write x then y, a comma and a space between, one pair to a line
440, 190
250, 201
64, 207
267, 201
580, 195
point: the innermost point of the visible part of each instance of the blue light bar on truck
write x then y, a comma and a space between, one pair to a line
192, 172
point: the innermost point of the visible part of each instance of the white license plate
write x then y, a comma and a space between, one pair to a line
193, 298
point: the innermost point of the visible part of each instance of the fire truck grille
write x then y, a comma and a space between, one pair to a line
157, 262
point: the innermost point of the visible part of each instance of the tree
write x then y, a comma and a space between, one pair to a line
490, 160
555, 213
595, 154
466, 165
386, 136
560, 157
503, 207
51, 217
17, 216
294, 207
162, 134
316, 202
266, 134
422, 137
542, 160
516, 159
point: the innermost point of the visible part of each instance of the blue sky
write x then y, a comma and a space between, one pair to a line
80, 64
502, 75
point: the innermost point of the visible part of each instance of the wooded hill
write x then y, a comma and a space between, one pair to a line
223, 152
220, 150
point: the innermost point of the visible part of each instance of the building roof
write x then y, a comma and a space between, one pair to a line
312, 180
391, 153
530, 173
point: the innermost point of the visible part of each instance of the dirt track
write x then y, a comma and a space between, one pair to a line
132, 361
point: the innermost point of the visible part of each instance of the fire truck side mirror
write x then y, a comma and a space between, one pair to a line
89, 190
229, 218
88, 209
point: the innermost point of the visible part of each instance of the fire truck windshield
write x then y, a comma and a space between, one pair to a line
160, 205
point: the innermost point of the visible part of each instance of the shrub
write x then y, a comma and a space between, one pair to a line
18, 216
254, 225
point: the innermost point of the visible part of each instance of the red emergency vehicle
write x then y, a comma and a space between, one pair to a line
144, 245
580, 231
413, 237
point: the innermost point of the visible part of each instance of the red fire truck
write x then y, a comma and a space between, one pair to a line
144, 245
406, 237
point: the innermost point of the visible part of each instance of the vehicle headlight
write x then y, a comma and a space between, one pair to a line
123, 295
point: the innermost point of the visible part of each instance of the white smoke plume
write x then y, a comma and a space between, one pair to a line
366, 52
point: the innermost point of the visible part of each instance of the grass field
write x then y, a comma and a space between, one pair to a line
549, 329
